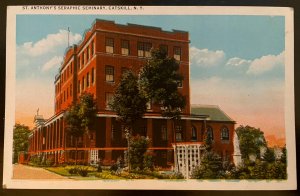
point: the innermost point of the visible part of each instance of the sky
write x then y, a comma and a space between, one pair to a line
236, 62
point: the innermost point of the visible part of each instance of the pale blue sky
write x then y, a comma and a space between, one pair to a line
237, 62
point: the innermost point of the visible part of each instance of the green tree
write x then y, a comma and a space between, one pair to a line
159, 80
129, 104
211, 167
80, 118
138, 149
74, 125
87, 111
251, 140
20, 140
269, 155
283, 156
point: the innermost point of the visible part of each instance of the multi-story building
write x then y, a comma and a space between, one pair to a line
96, 65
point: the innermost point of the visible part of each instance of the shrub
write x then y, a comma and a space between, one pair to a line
114, 167
50, 161
210, 168
83, 171
73, 170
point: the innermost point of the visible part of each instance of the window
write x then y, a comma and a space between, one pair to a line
144, 49
109, 45
147, 50
140, 49
93, 75
108, 99
177, 53
194, 133
71, 90
64, 96
82, 83
71, 67
88, 53
79, 63
164, 133
93, 47
224, 133
88, 79
125, 47
109, 74
178, 130
210, 133
82, 61
67, 93
85, 58
78, 86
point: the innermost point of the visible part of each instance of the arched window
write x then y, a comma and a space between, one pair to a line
224, 133
194, 133
210, 133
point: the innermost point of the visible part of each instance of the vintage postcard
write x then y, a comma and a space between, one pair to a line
142, 97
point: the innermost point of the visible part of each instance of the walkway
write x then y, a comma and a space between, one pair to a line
27, 172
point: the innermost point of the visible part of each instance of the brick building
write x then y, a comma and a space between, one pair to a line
96, 65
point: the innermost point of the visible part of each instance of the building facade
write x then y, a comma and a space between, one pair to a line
96, 65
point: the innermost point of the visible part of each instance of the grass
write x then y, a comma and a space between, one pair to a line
105, 174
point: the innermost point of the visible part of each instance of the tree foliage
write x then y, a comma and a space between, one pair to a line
269, 155
139, 159
211, 167
128, 101
251, 140
160, 78
80, 117
20, 140
74, 124
87, 110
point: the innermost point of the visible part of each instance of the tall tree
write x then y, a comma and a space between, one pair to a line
87, 113
74, 125
251, 140
269, 155
129, 104
80, 117
211, 167
160, 79
20, 140
87, 110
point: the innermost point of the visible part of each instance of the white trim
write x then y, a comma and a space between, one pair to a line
156, 117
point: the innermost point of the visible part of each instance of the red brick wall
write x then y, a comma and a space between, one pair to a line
132, 33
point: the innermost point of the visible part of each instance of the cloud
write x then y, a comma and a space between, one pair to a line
205, 57
56, 60
238, 62
48, 44
265, 64
259, 103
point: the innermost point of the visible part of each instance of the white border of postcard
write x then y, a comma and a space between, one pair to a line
290, 183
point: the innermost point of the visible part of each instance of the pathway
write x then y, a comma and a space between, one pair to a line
27, 172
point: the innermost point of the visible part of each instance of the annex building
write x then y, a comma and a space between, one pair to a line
96, 65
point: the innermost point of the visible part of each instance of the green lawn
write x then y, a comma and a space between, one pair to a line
105, 174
